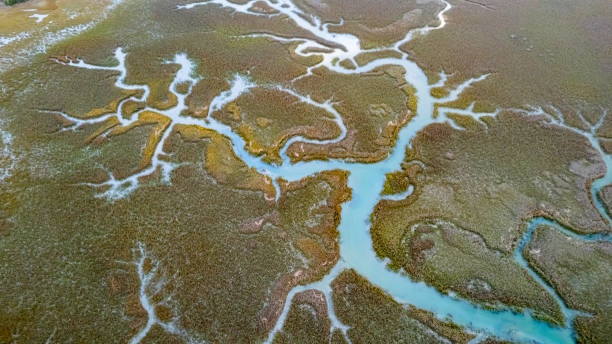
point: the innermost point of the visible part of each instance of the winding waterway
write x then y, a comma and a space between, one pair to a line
365, 180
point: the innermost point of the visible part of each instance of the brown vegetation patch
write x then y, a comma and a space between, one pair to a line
374, 317
322, 252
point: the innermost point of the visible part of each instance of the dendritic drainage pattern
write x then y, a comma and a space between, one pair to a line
355, 244
153, 294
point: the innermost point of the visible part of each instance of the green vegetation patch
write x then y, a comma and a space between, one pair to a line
579, 271
396, 182
12, 2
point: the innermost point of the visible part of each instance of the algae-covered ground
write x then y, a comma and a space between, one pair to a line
209, 250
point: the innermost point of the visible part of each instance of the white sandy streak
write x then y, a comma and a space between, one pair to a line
8, 158
347, 47
47, 37
38, 17
152, 283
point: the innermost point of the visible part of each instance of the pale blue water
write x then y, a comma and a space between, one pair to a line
365, 180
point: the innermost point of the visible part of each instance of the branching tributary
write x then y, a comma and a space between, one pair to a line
365, 180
